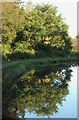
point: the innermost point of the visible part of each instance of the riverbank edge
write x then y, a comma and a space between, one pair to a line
40, 61
17, 69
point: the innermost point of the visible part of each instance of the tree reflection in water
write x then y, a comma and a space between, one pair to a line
39, 91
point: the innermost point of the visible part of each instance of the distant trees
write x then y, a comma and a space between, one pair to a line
38, 30
75, 45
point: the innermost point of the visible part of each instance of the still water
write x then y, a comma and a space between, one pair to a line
41, 92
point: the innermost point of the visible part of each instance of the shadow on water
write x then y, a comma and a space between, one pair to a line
39, 90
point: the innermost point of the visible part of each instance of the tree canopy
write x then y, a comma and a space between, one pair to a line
39, 30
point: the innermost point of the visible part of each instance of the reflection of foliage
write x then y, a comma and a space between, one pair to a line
38, 91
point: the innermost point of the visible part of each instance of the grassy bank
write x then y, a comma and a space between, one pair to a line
22, 65
44, 60
15, 71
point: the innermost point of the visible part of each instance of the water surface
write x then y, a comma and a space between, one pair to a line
42, 92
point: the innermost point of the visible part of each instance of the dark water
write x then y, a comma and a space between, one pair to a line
41, 92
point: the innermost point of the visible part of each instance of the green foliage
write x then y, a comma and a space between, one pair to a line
22, 50
6, 49
24, 47
75, 45
58, 43
12, 21
34, 30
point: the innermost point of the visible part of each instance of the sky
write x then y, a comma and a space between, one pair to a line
68, 9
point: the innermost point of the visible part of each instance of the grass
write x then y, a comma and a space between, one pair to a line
30, 63
14, 72
45, 60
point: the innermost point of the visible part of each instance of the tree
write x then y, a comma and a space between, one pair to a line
77, 43
74, 45
38, 27
12, 22
44, 27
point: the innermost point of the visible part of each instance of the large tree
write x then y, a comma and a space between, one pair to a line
44, 26
39, 29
